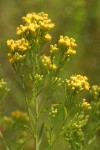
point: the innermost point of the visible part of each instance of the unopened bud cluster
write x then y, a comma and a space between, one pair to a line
3, 88
53, 111
95, 91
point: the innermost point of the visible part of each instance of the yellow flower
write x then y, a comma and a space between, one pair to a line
53, 48
85, 104
67, 42
16, 57
20, 45
70, 51
48, 37
47, 62
19, 115
66, 46
17, 49
53, 66
78, 83
21, 29
35, 22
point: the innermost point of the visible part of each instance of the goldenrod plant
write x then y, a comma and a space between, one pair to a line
71, 117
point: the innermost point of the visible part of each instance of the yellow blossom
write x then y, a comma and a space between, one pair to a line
70, 51
19, 115
47, 37
47, 62
17, 49
15, 57
33, 22
85, 104
66, 46
20, 45
53, 48
78, 83
67, 42
53, 67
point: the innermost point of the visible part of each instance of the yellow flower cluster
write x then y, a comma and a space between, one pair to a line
35, 32
67, 46
86, 105
17, 49
47, 62
78, 83
67, 42
53, 48
20, 45
47, 37
95, 91
35, 22
19, 115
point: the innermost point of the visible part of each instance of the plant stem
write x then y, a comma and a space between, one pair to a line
36, 100
36, 126
29, 114
7, 148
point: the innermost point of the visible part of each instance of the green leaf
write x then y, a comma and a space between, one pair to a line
65, 112
41, 132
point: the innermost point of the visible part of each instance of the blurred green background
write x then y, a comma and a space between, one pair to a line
79, 19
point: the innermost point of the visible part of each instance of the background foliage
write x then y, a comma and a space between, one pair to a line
79, 19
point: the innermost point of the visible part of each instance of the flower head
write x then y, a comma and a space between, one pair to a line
47, 37
67, 42
17, 49
47, 62
35, 23
53, 48
78, 83
66, 46
19, 115
86, 105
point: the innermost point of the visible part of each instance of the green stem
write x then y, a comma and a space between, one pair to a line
50, 142
36, 127
36, 100
7, 148
30, 115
